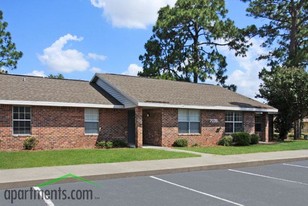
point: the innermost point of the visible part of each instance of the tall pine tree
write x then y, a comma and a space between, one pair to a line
8, 53
186, 40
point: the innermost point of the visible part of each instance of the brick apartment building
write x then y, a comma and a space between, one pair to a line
141, 111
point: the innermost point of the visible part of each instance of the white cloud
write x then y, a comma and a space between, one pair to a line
97, 57
133, 70
65, 61
96, 70
246, 76
37, 73
131, 13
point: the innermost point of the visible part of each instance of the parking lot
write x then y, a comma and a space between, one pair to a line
277, 184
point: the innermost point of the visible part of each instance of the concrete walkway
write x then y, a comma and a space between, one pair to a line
11, 178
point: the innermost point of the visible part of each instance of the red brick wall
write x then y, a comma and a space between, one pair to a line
114, 124
249, 122
5, 120
138, 127
62, 127
152, 127
211, 131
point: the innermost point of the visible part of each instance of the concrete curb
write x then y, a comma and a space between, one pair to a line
31, 183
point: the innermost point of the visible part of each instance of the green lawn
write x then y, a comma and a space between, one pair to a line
279, 146
25, 159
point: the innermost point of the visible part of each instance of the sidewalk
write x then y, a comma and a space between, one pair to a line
31, 176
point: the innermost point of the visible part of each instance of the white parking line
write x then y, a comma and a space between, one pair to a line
193, 190
292, 165
268, 177
41, 193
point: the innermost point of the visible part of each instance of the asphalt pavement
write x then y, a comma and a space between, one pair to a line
276, 184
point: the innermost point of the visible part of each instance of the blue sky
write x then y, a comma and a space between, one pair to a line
80, 37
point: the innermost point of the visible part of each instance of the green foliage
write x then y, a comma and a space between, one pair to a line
116, 143
119, 143
225, 141
285, 29
101, 144
185, 41
241, 138
254, 139
8, 53
286, 89
55, 76
180, 143
109, 144
30, 143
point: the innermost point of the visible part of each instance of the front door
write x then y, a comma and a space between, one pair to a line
131, 127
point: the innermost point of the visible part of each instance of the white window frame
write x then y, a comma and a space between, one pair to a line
91, 120
233, 121
21, 120
189, 120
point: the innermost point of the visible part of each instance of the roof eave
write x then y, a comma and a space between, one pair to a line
225, 108
60, 104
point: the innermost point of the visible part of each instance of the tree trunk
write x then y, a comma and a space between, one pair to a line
293, 35
297, 129
196, 52
195, 77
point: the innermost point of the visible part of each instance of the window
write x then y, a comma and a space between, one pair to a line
91, 121
233, 122
21, 120
258, 123
189, 121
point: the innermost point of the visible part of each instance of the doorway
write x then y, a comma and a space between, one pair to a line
131, 127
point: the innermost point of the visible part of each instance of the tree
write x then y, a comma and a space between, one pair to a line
286, 89
185, 41
8, 53
286, 34
55, 76
285, 30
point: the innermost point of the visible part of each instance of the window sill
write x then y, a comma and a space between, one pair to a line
91, 134
189, 134
21, 135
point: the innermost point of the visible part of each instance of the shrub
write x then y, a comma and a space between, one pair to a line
254, 139
30, 143
180, 143
101, 144
241, 138
225, 141
109, 144
119, 143
195, 145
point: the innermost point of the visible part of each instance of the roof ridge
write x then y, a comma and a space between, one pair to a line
40, 77
150, 78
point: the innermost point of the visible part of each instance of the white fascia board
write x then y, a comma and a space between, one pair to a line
146, 104
59, 104
122, 93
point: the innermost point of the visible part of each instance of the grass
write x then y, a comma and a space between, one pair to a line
279, 146
27, 159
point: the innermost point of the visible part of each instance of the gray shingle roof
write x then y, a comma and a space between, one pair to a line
178, 93
29, 88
